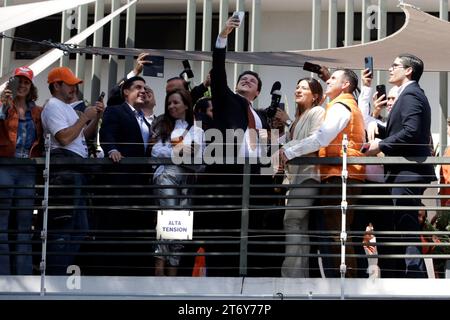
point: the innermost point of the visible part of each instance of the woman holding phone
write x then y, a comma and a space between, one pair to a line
21, 136
308, 118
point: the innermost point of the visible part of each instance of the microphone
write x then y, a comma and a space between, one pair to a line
276, 97
187, 70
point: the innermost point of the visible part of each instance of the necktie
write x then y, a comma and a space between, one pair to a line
251, 127
145, 132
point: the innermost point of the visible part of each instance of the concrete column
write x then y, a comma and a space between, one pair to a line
68, 22
113, 43
6, 44
349, 21
255, 28
190, 25
223, 13
81, 58
130, 36
382, 27
97, 59
239, 39
315, 35
332, 23
365, 31
443, 91
206, 35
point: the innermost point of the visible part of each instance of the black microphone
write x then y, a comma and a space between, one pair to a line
276, 97
187, 69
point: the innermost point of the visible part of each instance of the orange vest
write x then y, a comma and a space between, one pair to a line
8, 133
356, 137
445, 179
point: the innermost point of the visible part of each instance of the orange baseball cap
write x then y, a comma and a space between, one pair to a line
63, 74
24, 72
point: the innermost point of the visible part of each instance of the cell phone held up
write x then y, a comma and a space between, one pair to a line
238, 15
381, 89
365, 147
311, 67
155, 68
101, 96
13, 85
187, 69
368, 64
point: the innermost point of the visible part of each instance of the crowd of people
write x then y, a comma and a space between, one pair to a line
394, 125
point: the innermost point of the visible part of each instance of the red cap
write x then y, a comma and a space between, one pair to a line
63, 74
24, 72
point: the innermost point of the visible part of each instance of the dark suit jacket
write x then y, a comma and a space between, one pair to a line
120, 130
407, 134
229, 108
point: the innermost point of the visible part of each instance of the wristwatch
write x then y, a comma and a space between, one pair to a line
288, 122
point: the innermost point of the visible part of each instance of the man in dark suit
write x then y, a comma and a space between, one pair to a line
234, 110
125, 133
407, 133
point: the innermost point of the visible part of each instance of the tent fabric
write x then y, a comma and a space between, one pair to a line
44, 61
17, 15
422, 35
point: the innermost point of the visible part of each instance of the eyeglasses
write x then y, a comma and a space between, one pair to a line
396, 65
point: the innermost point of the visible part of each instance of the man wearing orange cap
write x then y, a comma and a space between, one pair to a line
68, 132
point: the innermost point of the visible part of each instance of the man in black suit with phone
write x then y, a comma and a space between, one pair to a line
407, 134
234, 110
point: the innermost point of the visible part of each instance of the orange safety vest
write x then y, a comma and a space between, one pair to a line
8, 133
445, 179
356, 137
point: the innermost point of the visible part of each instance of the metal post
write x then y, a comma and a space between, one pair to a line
97, 59
46, 174
206, 35
245, 218
443, 92
130, 35
113, 43
343, 267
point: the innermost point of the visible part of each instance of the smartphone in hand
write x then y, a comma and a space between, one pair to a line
238, 15
311, 67
101, 96
187, 69
13, 85
155, 68
381, 89
365, 147
368, 64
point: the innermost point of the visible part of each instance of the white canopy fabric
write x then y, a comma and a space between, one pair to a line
14, 16
41, 63
422, 35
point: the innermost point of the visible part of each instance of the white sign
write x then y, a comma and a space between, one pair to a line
175, 224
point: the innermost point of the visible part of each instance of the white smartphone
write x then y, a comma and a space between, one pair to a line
239, 15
